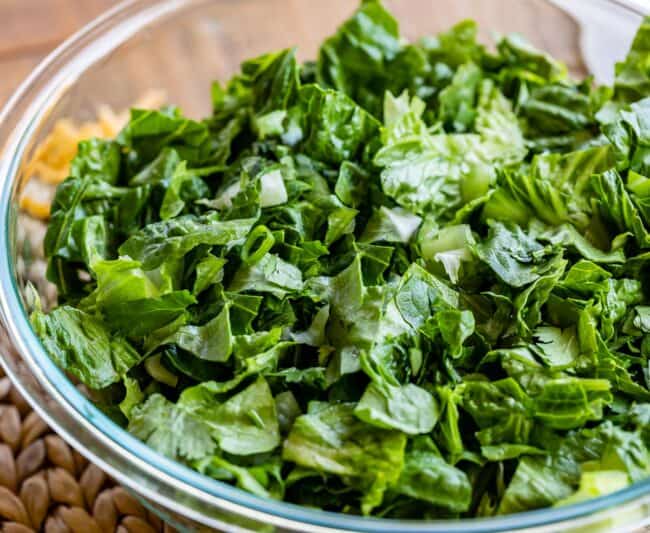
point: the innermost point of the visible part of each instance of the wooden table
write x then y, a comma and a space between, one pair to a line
30, 29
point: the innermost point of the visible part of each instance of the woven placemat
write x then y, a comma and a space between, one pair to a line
45, 485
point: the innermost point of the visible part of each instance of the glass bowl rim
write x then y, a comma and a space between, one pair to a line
94, 41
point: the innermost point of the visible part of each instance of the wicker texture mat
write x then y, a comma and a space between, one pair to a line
45, 485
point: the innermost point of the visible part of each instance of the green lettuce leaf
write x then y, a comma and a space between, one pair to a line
81, 344
332, 440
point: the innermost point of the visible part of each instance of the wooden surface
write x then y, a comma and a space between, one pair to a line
30, 29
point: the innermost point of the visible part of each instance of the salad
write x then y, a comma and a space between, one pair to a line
404, 280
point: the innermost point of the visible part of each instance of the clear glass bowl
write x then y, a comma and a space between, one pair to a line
181, 46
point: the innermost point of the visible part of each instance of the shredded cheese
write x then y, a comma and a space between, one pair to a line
50, 164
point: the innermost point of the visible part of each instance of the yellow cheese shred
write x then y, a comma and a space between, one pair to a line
50, 163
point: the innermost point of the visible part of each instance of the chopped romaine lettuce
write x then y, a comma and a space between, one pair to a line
406, 280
